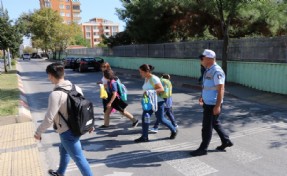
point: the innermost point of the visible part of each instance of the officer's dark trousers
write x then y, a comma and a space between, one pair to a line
209, 122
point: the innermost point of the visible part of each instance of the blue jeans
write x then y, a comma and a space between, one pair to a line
169, 114
71, 147
159, 116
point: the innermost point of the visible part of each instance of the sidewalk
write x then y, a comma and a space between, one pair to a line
19, 153
231, 89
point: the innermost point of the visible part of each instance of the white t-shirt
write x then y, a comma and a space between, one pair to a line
104, 80
148, 86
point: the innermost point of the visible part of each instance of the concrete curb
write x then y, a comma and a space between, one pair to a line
24, 109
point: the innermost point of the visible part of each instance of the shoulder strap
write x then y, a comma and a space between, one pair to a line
64, 90
151, 82
111, 86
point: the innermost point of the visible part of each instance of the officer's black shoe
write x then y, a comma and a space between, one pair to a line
223, 146
198, 152
141, 139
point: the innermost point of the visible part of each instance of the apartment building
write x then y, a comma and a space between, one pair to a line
69, 10
96, 27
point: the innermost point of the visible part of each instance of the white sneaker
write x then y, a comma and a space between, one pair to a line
154, 130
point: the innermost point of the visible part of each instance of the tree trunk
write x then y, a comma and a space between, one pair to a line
225, 50
5, 64
54, 55
59, 55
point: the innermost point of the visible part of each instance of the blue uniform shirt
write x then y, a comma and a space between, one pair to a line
212, 77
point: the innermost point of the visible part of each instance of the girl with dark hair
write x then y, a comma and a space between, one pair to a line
104, 81
114, 101
152, 84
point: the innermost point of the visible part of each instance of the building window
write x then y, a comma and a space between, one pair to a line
47, 3
62, 14
88, 28
95, 28
107, 27
68, 14
88, 34
67, 0
107, 33
62, 6
76, 21
76, 15
96, 33
68, 7
76, 7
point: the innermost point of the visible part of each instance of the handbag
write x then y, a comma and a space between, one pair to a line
146, 104
103, 92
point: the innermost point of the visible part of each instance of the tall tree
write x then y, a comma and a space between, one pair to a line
149, 21
44, 26
10, 38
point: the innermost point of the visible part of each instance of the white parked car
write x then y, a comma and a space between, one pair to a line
26, 56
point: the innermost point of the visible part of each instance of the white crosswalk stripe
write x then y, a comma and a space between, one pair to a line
168, 153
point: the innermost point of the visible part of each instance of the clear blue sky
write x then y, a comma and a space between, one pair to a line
90, 9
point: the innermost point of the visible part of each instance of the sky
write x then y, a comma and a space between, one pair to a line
90, 9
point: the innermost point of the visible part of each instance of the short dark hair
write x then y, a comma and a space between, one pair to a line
56, 70
109, 74
146, 68
165, 76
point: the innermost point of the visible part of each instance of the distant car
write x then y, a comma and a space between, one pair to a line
69, 62
88, 63
26, 56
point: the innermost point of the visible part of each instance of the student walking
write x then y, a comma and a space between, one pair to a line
114, 101
167, 105
104, 81
211, 100
70, 146
152, 87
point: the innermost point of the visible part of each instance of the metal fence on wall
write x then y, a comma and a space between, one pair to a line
255, 49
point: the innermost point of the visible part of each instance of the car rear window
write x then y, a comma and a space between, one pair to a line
88, 59
26, 54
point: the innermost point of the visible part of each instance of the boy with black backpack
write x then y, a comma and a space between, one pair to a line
67, 109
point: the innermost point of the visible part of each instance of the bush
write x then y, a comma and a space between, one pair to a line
13, 62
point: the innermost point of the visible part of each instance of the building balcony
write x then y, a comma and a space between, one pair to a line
76, 11
77, 18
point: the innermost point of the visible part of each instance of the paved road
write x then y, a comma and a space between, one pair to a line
258, 131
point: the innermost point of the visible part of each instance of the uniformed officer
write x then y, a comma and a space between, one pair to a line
211, 100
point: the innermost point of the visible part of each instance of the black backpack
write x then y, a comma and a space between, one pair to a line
80, 112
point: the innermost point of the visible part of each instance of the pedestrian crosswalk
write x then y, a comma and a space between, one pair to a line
177, 156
